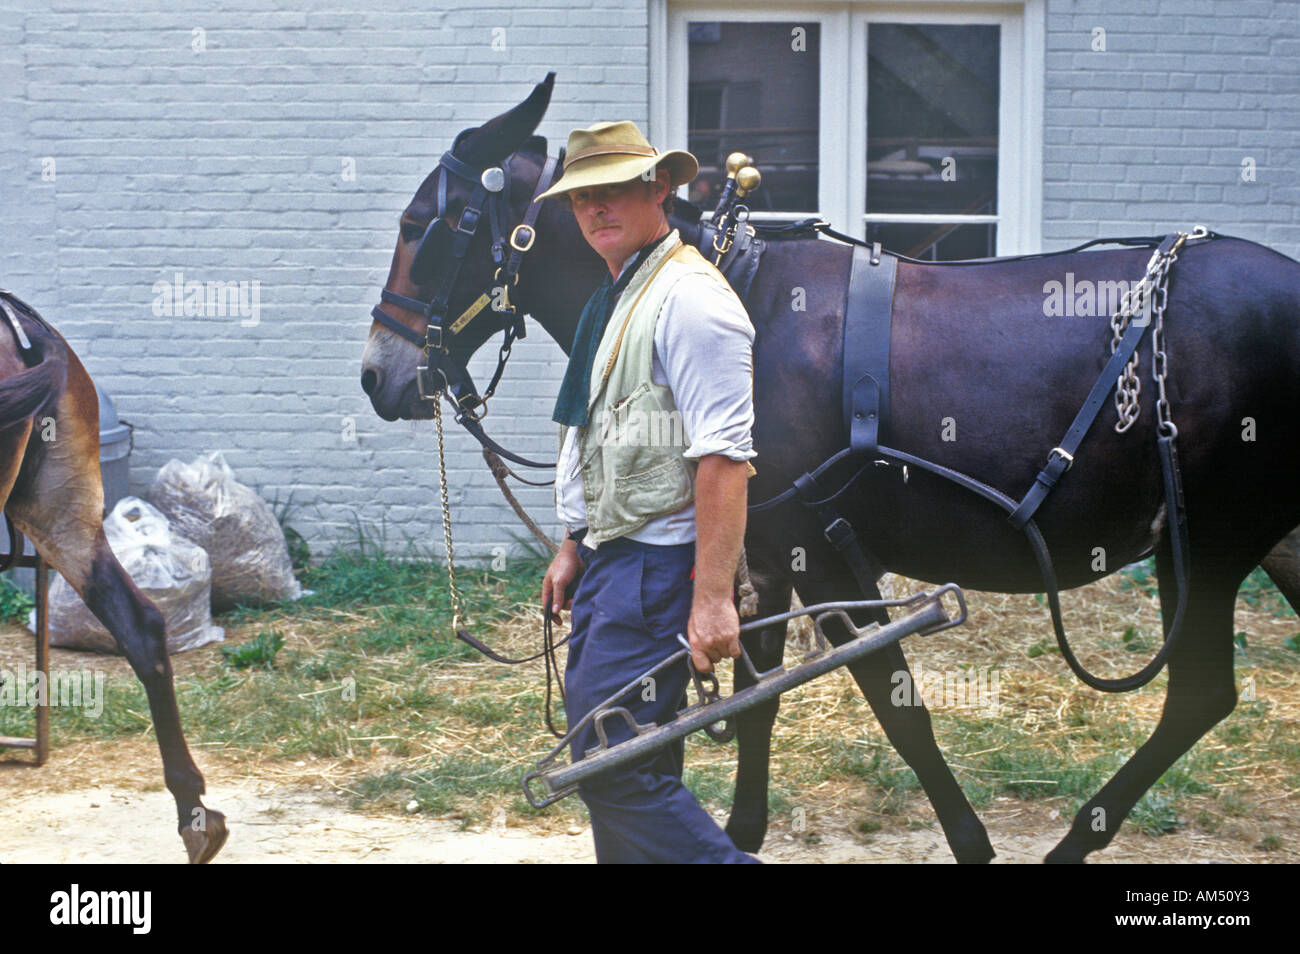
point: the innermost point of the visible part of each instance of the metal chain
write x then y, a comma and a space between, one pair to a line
457, 609
1160, 360
1149, 295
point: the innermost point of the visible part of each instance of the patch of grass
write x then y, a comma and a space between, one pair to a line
15, 604
868, 825
444, 786
1033, 773
1155, 814
259, 652
1232, 803
1188, 775
484, 710
882, 767
1135, 641
1208, 822
299, 552
1141, 577
712, 783
1259, 592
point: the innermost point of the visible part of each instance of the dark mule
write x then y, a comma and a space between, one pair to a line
50, 490
974, 360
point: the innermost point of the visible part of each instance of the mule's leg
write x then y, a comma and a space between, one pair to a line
58, 503
1201, 692
748, 823
1283, 567
907, 727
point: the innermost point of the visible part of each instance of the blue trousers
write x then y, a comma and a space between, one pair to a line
631, 603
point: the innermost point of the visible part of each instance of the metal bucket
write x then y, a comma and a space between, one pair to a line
115, 441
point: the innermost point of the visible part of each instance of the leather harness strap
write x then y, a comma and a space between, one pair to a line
1062, 456
868, 309
866, 569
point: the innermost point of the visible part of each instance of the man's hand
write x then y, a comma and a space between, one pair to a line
564, 569
714, 631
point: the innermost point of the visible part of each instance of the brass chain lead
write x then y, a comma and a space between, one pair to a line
457, 608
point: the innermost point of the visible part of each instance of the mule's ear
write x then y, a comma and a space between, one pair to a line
502, 135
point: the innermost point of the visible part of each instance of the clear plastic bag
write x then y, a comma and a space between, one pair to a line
170, 570
204, 502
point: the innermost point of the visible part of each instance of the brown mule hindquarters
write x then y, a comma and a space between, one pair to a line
33, 375
34, 363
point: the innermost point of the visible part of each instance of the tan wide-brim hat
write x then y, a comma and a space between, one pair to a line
608, 153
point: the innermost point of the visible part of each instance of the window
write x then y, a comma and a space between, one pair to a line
932, 138
753, 88
915, 124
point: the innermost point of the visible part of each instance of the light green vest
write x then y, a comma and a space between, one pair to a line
631, 449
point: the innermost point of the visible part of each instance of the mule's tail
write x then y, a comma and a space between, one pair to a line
37, 387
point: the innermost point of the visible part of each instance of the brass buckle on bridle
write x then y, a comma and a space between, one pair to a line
514, 237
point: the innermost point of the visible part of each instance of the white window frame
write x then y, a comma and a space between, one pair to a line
842, 146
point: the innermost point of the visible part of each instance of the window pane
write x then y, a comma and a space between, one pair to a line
935, 243
754, 88
932, 118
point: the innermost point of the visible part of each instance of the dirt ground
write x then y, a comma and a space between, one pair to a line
104, 801
66, 813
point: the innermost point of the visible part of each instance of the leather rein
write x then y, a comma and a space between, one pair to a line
491, 192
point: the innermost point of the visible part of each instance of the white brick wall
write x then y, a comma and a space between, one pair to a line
226, 165
1150, 135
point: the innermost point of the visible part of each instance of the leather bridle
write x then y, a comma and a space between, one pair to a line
491, 193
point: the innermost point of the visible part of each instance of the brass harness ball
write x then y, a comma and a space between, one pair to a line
737, 161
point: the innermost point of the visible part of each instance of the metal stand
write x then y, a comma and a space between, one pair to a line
41, 744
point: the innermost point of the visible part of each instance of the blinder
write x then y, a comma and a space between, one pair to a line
433, 248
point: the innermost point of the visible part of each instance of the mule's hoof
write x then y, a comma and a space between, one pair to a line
203, 846
745, 837
1064, 855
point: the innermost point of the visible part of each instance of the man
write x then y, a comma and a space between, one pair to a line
655, 410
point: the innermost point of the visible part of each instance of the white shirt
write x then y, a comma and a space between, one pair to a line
703, 344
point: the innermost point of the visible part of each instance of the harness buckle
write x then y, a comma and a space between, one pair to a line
468, 220
1057, 452
515, 240
838, 533
433, 338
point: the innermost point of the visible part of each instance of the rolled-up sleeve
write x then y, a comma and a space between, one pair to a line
705, 343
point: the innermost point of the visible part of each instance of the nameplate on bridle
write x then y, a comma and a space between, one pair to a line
465, 316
